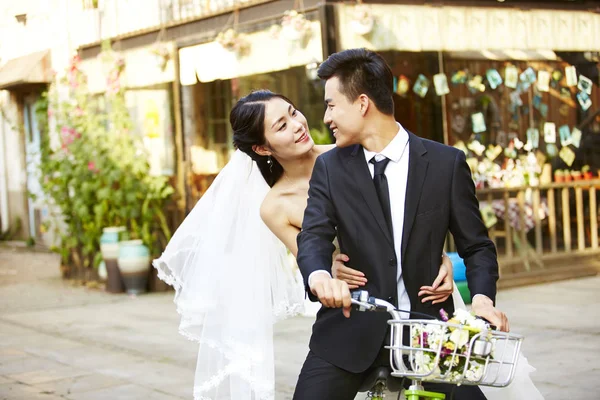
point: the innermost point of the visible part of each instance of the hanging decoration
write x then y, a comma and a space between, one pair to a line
527, 78
511, 77
571, 75
421, 86
494, 78
565, 135
440, 82
362, 21
403, 85
233, 41
230, 39
478, 122
584, 100
585, 84
295, 27
550, 132
476, 84
543, 82
162, 52
523, 161
160, 49
576, 137
459, 77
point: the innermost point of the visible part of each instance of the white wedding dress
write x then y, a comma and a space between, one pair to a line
234, 279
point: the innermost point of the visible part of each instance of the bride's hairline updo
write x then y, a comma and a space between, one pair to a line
247, 119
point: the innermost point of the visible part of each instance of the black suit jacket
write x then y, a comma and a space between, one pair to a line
440, 197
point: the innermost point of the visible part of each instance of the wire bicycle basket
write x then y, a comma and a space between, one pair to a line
455, 353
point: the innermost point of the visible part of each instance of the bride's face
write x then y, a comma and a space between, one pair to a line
286, 130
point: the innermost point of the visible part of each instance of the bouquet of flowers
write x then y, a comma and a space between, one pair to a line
453, 344
233, 41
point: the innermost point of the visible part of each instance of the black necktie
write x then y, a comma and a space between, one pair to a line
383, 191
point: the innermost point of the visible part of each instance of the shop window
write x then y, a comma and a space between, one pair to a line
219, 136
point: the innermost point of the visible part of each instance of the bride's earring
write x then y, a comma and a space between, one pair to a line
270, 162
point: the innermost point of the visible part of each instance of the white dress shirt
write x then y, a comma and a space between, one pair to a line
396, 173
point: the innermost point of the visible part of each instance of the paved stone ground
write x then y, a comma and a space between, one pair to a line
63, 342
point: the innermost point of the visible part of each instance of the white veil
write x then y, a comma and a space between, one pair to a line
521, 387
233, 280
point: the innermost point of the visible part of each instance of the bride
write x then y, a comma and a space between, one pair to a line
229, 260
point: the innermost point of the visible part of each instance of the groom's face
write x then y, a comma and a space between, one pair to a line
343, 116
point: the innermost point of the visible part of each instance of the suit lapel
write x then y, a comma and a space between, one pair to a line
417, 170
360, 171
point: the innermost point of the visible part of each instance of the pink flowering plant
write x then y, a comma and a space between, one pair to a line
454, 343
94, 171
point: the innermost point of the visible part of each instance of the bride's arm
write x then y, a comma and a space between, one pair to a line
443, 286
274, 216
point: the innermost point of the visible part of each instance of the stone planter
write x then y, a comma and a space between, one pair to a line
134, 263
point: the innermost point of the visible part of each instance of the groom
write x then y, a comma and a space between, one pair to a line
390, 197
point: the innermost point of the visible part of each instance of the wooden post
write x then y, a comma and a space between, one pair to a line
538, 224
593, 218
580, 222
508, 228
566, 217
181, 169
524, 245
552, 220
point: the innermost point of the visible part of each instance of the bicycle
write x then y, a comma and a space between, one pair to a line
406, 356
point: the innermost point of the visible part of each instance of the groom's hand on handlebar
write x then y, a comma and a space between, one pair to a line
483, 307
332, 293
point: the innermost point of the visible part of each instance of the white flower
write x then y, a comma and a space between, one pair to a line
460, 337
463, 315
475, 371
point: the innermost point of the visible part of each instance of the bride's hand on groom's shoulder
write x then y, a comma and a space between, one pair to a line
352, 277
332, 293
483, 307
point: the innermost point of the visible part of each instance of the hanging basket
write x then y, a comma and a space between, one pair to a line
362, 22
295, 26
234, 42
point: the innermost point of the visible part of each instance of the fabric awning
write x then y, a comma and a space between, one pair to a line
453, 28
34, 68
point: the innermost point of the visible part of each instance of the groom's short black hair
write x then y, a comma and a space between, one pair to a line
361, 71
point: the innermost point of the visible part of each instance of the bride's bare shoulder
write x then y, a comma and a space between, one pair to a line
272, 204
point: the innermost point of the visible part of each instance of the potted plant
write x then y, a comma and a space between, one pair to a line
559, 176
95, 174
567, 175
577, 176
587, 174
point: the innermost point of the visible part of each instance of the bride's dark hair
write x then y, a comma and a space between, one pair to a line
247, 120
